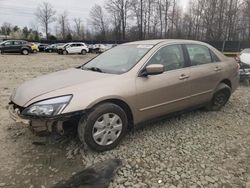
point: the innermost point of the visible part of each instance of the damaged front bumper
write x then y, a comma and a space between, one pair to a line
42, 124
15, 115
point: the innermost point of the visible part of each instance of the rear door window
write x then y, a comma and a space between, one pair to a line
199, 54
17, 42
171, 57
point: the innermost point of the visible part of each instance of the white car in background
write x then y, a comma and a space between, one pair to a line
74, 48
244, 61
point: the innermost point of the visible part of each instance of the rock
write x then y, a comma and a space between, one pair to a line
172, 186
2, 184
209, 179
177, 177
159, 181
248, 185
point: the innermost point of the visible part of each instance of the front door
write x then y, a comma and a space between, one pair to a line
8, 46
167, 92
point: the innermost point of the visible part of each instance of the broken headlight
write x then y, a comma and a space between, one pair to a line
49, 107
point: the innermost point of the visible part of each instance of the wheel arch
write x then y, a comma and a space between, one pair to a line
227, 82
122, 104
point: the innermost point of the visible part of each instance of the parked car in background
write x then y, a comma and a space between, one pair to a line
34, 47
15, 46
61, 48
125, 86
244, 61
99, 48
42, 47
74, 48
53, 47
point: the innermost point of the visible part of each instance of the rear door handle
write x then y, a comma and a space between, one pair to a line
184, 77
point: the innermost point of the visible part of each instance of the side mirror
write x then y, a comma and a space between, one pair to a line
153, 69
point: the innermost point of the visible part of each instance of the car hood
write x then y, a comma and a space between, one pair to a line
51, 82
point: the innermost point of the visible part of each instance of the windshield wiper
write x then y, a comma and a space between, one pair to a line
95, 69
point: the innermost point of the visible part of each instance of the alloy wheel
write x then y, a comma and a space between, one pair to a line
107, 129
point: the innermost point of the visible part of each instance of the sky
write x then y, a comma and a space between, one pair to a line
21, 12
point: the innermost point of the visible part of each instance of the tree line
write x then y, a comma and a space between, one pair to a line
127, 20
208, 20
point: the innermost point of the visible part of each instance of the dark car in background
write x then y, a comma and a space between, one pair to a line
15, 46
53, 47
42, 47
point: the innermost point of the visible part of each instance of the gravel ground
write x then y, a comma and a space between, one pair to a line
195, 149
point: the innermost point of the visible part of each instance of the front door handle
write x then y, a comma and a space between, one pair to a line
184, 77
217, 69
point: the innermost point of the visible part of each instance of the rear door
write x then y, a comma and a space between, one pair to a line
167, 92
79, 48
205, 72
17, 46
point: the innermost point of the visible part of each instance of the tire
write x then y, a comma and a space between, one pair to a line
83, 52
101, 117
25, 52
246, 82
220, 97
64, 52
50, 51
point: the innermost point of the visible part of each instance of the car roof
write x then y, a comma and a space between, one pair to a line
155, 42
15, 40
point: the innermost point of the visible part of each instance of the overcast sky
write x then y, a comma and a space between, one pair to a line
21, 12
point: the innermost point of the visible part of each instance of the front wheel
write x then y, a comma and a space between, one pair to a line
220, 97
104, 127
65, 52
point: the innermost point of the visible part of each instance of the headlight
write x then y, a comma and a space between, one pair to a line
48, 107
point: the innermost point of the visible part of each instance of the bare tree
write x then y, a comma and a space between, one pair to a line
63, 24
45, 15
120, 7
97, 20
79, 29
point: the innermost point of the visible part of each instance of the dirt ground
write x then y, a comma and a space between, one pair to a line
22, 163
210, 149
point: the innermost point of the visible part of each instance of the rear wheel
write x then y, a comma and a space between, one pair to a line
25, 52
220, 97
104, 127
83, 52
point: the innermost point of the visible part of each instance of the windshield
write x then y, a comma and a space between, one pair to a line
119, 59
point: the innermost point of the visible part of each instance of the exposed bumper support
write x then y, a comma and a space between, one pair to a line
41, 125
